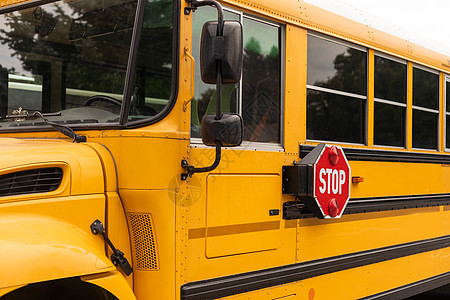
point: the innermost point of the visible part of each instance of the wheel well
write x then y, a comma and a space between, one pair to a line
68, 289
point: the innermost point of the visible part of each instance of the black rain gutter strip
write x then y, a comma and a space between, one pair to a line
412, 288
132, 60
251, 281
363, 205
293, 210
386, 156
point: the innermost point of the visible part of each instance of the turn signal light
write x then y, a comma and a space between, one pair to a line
357, 179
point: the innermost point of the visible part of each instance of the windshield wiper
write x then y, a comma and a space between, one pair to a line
66, 130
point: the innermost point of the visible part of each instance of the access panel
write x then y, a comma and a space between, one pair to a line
243, 213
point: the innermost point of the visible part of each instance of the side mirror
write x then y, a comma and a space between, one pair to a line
228, 130
220, 63
226, 48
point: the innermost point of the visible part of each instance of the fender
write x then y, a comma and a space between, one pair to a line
113, 282
36, 248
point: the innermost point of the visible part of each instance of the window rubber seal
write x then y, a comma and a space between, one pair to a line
175, 72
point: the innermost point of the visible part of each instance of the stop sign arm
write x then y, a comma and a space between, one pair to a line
298, 178
320, 180
312, 157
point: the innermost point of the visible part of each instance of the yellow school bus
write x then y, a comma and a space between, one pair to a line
171, 149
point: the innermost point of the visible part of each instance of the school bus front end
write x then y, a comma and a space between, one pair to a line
50, 190
82, 189
149, 150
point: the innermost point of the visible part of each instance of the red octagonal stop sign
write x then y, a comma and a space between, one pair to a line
332, 175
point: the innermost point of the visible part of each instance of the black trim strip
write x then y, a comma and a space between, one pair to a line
297, 210
412, 288
359, 154
362, 205
245, 282
175, 74
132, 58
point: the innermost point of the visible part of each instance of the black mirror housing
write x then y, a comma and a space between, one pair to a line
228, 130
226, 48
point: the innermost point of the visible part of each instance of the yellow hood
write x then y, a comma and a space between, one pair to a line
82, 168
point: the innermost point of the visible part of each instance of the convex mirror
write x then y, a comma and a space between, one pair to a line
226, 48
228, 130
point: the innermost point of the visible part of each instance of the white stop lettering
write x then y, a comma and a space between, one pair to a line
331, 181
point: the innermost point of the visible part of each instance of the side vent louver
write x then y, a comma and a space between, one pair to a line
144, 241
30, 181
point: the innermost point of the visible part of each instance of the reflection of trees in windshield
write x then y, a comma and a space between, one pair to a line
25, 41
80, 45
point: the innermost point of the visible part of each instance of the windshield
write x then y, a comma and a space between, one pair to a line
71, 57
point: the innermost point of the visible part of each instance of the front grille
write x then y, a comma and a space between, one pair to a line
30, 181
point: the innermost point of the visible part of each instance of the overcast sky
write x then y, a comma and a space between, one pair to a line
422, 22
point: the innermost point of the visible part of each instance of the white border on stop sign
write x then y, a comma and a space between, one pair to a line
349, 181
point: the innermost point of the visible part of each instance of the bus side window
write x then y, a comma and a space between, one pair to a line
390, 102
257, 97
447, 112
261, 82
336, 90
425, 108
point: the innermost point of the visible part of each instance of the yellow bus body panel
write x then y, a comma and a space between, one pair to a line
49, 233
47, 248
219, 224
81, 164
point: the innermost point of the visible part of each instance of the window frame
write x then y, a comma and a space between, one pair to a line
390, 102
260, 146
132, 61
445, 112
341, 93
425, 109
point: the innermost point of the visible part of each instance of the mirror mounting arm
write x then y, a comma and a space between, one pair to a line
190, 170
194, 4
